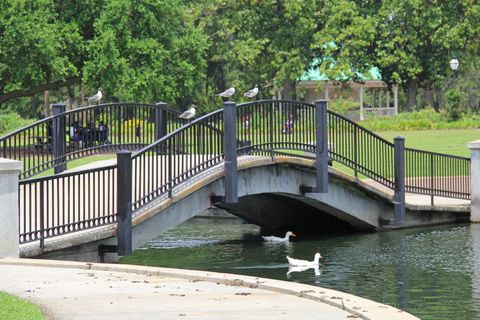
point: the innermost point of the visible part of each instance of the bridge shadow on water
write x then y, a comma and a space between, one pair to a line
278, 213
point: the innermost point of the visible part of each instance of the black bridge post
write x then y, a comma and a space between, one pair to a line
321, 150
399, 195
230, 151
124, 202
56, 137
160, 120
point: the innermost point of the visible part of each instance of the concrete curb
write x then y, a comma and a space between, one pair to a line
360, 307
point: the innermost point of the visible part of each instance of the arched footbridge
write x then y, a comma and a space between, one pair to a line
279, 164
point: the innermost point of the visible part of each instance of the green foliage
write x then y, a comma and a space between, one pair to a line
14, 308
183, 51
342, 105
145, 51
12, 121
410, 41
420, 120
453, 98
34, 46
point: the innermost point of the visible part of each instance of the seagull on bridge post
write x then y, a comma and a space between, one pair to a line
188, 114
227, 93
96, 98
251, 93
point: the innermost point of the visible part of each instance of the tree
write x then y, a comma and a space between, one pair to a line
34, 49
410, 41
256, 42
145, 51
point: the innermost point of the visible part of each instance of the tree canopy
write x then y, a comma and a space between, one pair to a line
183, 51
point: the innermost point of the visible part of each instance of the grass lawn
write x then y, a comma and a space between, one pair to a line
13, 308
450, 141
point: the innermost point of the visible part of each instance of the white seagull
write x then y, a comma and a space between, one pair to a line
188, 114
304, 263
251, 93
97, 97
278, 239
227, 93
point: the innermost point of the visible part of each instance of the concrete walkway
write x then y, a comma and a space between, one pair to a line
77, 290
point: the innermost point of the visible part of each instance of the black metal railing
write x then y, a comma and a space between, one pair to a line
437, 174
180, 155
65, 203
65, 136
360, 150
275, 126
68, 202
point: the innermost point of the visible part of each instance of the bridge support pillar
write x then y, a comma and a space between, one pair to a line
474, 147
399, 191
321, 150
58, 138
230, 151
124, 202
9, 225
160, 120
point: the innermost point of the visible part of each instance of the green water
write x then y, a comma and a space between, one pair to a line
433, 273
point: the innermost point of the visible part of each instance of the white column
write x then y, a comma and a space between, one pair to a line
9, 244
326, 93
361, 102
474, 147
388, 98
395, 98
380, 98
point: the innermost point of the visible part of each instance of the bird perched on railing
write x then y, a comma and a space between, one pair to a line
188, 114
96, 98
251, 93
227, 93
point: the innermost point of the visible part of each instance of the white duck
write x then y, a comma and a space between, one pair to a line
278, 239
227, 93
305, 263
188, 114
251, 93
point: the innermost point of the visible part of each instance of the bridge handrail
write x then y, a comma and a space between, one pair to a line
98, 129
68, 202
160, 167
425, 173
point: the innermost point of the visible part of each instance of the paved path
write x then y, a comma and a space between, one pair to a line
76, 290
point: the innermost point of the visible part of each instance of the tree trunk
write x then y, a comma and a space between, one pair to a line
46, 103
412, 88
288, 91
81, 101
430, 97
70, 97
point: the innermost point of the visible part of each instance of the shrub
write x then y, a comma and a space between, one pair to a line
426, 119
12, 121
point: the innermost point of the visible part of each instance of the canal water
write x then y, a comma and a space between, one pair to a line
433, 273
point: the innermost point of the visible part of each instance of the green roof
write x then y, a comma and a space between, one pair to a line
313, 74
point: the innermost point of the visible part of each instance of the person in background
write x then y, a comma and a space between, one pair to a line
138, 131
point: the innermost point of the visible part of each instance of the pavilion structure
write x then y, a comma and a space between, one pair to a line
381, 101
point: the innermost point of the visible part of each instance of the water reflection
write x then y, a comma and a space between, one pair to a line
434, 272
292, 269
